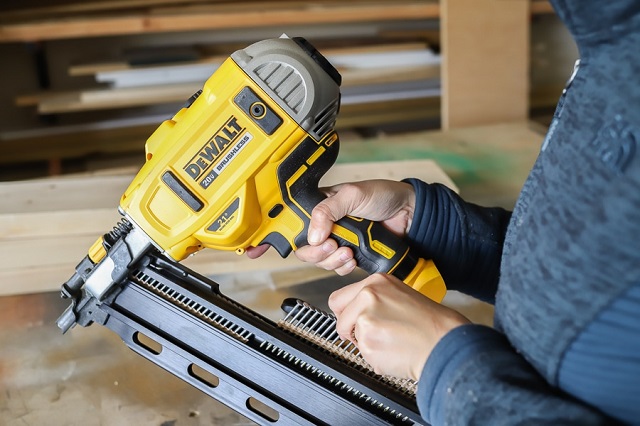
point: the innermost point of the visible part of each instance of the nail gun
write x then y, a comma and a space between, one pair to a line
239, 166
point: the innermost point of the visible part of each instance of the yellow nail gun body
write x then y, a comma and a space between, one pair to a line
238, 166
213, 176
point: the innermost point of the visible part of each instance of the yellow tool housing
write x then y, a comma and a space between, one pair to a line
239, 166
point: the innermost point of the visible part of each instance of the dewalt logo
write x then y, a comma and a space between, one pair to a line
200, 163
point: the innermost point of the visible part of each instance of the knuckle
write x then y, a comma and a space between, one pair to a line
369, 294
346, 269
328, 263
350, 189
308, 254
322, 212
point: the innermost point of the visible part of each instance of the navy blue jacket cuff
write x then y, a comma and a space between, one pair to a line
458, 347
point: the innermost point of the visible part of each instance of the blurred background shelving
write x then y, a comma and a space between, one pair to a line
83, 84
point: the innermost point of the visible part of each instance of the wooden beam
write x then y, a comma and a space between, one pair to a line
112, 98
148, 85
46, 226
89, 20
242, 15
219, 57
485, 64
65, 8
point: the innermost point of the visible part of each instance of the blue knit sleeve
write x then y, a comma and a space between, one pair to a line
474, 377
464, 240
608, 349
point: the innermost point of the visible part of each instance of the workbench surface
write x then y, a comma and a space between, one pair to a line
89, 377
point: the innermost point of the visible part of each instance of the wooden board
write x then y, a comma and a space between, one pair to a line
46, 226
485, 45
139, 17
218, 53
132, 86
116, 137
240, 15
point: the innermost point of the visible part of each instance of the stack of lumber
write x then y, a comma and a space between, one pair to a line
391, 65
74, 18
381, 71
31, 20
391, 73
47, 226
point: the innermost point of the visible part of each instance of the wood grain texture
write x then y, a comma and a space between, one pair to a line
104, 18
240, 15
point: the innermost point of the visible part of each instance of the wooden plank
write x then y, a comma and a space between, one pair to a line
92, 100
62, 193
355, 68
47, 226
218, 56
99, 99
485, 45
109, 138
244, 15
76, 142
22, 12
138, 86
297, 13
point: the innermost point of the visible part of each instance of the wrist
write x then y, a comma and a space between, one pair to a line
441, 328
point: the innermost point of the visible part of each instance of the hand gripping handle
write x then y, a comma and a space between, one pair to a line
375, 248
378, 250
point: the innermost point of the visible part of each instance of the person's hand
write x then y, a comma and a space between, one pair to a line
389, 202
394, 326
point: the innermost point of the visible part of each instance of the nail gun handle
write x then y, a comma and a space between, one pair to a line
375, 248
378, 250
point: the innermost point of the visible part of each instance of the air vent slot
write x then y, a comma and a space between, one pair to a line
286, 82
326, 119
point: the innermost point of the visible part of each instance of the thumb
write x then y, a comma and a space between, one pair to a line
326, 213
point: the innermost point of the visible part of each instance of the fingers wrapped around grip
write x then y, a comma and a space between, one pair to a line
328, 256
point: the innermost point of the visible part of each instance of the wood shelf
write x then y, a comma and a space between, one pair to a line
211, 17
474, 69
108, 18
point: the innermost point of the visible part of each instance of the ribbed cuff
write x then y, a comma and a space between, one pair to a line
446, 363
424, 222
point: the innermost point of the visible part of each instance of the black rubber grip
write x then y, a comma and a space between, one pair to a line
375, 248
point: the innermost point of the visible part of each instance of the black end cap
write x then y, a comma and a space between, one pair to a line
320, 60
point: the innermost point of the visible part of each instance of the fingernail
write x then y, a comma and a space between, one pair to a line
314, 236
344, 257
328, 247
350, 264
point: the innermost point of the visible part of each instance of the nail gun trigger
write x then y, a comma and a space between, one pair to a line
279, 243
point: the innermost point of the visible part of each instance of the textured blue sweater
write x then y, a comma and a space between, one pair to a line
564, 269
